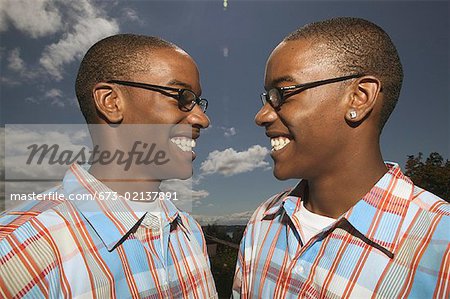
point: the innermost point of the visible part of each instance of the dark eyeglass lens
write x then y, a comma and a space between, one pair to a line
187, 99
274, 97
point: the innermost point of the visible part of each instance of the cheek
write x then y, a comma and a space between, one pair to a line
158, 111
162, 116
298, 119
312, 126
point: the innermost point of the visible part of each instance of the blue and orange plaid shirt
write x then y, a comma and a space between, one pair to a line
58, 248
393, 243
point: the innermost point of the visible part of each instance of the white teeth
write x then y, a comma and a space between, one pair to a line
184, 143
279, 142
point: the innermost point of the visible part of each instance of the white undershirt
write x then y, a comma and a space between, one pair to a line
142, 207
311, 224
153, 219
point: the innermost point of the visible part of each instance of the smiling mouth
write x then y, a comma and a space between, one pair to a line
184, 143
279, 142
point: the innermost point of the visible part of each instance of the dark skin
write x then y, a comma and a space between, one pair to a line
338, 155
118, 104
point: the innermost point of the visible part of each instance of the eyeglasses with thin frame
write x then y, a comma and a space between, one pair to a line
186, 98
277, 95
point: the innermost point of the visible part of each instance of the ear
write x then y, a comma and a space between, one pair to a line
362, 99
108, 102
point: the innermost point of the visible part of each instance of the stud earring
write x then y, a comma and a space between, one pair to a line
353, 114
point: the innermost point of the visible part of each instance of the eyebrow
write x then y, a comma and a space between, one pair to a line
279, 80
180, 83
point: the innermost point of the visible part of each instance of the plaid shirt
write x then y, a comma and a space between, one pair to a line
394, 243
100, 249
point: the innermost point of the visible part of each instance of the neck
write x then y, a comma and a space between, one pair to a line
124, 182
335, 191
118, 176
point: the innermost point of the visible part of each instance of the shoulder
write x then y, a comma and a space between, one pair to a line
428, 217
256, 223
190, 222
13, 219
26, 239
193, 227
428, 202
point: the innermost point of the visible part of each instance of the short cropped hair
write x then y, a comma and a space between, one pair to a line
356, 45
114, 57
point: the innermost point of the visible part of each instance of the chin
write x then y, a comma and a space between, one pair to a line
182, 173
185, 176
288, 172
281, 175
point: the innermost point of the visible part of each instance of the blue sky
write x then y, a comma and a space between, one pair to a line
42, 42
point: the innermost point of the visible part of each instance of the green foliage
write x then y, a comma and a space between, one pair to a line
217, 231
223, 264
237, 234
432, 175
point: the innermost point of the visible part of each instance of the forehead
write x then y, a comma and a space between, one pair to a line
295, 61
166, 65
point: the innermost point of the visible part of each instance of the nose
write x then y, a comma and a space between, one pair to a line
198, 118
265, 116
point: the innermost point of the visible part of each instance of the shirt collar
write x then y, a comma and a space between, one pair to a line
377, 217
109, 214
291, 204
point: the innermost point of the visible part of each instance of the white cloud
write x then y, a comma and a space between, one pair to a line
8, 81
32, 100
53, 96
88, 27
75, 44
131, 15
186, 195
228, 132
53, 93
36, 18
14, 154
230, 162
239, 218
19, 137
15, 62
84, 24
3, 21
